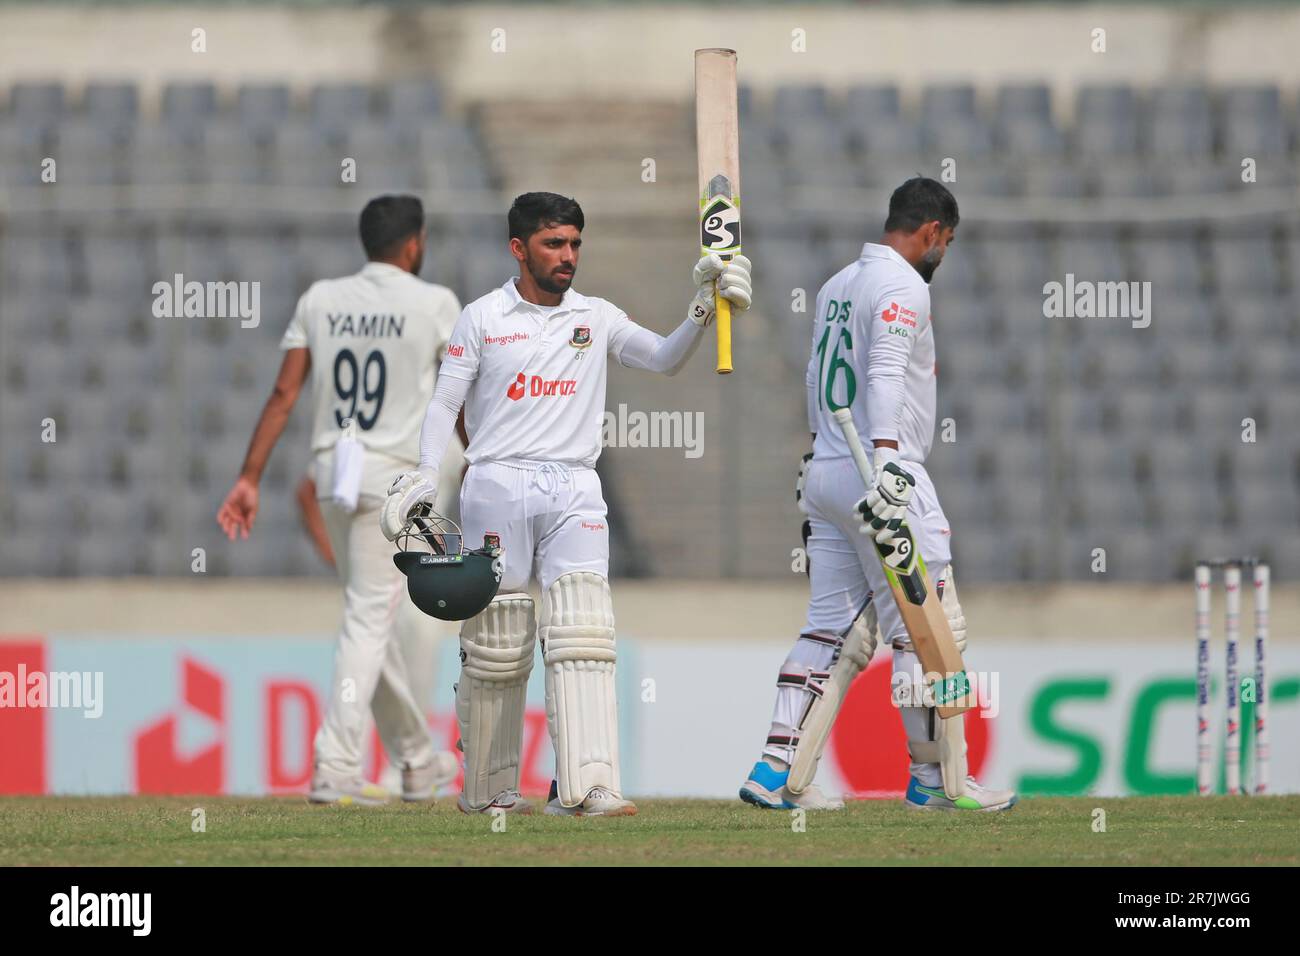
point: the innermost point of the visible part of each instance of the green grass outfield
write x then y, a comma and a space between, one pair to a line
1177, 831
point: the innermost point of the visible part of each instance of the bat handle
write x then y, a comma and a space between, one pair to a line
723, 309
844, 418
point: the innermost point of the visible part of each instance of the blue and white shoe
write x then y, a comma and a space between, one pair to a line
766, 788
920, 797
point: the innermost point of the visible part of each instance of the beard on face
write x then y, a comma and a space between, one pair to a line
929, 262
556, 284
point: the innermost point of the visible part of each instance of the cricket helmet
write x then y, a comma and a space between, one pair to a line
443, 579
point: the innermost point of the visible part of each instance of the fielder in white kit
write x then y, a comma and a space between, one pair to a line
371, 343
874, 353
528, 362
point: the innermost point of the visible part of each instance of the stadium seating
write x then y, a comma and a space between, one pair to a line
1068, 430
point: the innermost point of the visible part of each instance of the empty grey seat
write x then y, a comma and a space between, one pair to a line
871, 102
957, 134
263, 105
1174, 266
1178, 121
982, 180
1128, 181
1193, 178
1105, 120
119, 266
885, 137
36, 102
1251, 122
1174, 459
947, 101
1024, 99
335, 105
1195, 363
1245, 264
111, 103
1052, 180
1217, 413
799, 100
1095, 258
188, 104
1017, 265
1029, 138
1258, 319
414, 100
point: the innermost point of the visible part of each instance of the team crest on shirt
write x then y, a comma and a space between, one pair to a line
492, 541
581, 336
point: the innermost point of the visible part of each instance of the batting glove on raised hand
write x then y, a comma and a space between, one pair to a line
729, 278
407, 490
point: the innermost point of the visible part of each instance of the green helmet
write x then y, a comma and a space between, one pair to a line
443, 579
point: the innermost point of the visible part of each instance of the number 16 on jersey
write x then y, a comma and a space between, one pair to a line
717, 145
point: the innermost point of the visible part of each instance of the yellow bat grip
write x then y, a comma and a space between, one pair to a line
723, 320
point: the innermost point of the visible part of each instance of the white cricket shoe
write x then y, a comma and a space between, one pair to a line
422, 783
507, 801
345, 791
599, 802
919, 797
766, 788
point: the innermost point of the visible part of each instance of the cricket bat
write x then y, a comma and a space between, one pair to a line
927, 624
717, 146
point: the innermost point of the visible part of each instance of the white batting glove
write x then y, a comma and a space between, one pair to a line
798, 485
883, 509
407, 490
730, 279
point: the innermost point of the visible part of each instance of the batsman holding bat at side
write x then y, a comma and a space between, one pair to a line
873, 356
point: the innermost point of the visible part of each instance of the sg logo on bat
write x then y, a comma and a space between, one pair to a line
720, 226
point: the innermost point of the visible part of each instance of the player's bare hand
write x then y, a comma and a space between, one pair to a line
238, 512
407, 490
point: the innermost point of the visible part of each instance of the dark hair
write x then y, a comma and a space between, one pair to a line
533, 211
389, 220
918, 201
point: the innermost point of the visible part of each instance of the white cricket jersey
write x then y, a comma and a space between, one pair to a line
537, 374
873, 351
376, 339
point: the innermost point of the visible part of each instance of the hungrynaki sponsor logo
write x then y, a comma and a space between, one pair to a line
537, 387
510, 339
899, 313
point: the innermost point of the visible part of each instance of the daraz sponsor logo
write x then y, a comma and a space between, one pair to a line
537, 387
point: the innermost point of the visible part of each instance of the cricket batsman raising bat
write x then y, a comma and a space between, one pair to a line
879, 556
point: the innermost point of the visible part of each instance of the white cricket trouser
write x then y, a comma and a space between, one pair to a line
550, 518
369, 669
843, 563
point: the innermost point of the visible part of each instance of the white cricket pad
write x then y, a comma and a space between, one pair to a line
947, 748
496, 657
577, 635
826, 691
